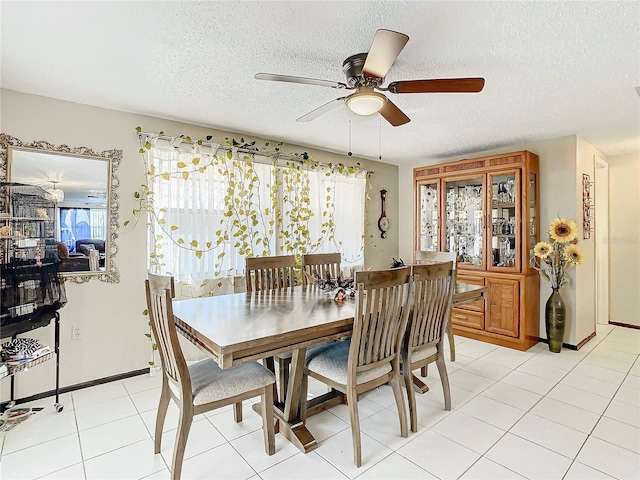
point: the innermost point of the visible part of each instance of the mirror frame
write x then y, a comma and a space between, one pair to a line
113, 158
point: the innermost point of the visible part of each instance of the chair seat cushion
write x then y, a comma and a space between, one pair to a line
290, 354
423, 352
210, 383
330, 361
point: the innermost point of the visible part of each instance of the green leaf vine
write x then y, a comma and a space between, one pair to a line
246, 225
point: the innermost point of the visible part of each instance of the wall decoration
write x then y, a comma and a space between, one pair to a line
383, 221
587, 206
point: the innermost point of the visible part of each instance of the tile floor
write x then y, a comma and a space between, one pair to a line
534, 414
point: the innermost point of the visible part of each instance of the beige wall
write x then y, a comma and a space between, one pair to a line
560, 195
110, 315
585, 274
624, 239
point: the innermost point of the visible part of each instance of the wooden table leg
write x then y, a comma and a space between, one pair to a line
289, 418
296, 432
292, 398
288, 414
299, 435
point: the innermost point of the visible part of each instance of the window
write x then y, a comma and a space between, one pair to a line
80, 223
208, 212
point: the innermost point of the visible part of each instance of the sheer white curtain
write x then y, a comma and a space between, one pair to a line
190, 187
203, 206
339, 200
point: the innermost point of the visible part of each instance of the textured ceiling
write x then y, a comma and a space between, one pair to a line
551, 68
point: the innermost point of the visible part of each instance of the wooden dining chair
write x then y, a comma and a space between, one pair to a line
202, 386
438, 257
273, 273
371, 357
321, 265
433, 287
269, 273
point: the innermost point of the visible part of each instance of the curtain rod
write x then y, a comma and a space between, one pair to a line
226, 148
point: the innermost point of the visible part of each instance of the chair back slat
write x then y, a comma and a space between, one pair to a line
433, 292
160, 291
270, 273
321, 265
381, 316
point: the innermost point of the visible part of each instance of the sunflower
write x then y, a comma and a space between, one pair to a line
563, 231
573, 255
542, 249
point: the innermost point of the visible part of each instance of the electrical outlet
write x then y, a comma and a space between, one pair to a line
75, 332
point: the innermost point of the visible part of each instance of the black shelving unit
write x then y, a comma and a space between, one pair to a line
31, 290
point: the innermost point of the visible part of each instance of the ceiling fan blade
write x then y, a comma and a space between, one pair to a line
393, 114
384, 50
307, 81
442, 85
313, 114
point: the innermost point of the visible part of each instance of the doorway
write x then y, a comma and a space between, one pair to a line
601, 198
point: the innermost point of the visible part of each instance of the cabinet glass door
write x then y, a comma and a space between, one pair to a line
533, 219
505, 221
428, 206
464, 227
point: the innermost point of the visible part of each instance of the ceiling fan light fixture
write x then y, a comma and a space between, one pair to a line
366, 73
365, 103
56, 193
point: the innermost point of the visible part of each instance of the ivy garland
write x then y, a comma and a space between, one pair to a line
246, 224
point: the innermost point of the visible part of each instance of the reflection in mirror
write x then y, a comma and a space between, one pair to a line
82, 184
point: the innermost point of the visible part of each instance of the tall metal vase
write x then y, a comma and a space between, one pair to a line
555, 313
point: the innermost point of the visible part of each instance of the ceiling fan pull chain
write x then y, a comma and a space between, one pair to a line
349, 153
380, 139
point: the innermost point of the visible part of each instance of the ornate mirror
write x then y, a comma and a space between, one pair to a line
82, 185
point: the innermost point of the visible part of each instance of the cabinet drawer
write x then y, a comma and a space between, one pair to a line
467, 318
478, 305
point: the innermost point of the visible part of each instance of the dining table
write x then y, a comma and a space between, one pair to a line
244, 327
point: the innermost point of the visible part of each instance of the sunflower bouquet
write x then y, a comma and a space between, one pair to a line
555, 257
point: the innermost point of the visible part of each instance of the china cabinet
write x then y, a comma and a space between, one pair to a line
486, 211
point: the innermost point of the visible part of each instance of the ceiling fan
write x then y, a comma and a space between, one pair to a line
365, 74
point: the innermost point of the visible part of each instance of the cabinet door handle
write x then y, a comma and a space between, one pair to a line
461, 317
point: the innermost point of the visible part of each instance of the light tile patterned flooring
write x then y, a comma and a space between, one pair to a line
534, 414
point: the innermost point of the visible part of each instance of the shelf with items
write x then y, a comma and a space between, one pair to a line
464, 227
505, 248
14, 367
22, 219
487, 215
27, 223
428, 220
